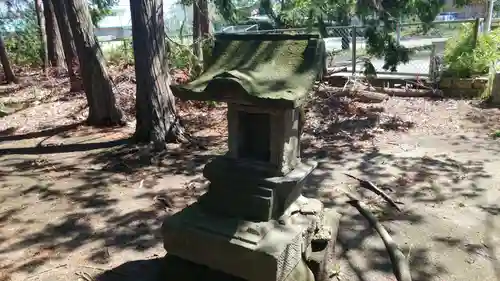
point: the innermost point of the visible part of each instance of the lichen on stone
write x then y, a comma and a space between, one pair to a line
249, 67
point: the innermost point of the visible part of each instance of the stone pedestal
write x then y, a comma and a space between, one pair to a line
253, 251
253, 223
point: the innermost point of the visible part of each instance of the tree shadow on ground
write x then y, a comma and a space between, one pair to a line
43, 133
91, 192
341, 141
169, 268
90, 209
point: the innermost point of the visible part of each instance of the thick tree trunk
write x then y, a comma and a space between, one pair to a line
9, 74
68, 44
157, 119
43, 36
55, 50
96, 81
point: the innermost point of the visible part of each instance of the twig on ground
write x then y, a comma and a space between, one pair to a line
85, 276
45, 271
373, 188
400, 265
93, 267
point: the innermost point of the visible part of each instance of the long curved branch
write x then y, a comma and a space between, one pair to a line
400, 265
373, 188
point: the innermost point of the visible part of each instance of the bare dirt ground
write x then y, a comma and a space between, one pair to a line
76, 200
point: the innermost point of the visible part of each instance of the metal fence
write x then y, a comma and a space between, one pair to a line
346, 45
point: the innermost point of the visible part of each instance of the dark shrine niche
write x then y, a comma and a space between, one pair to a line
254, 136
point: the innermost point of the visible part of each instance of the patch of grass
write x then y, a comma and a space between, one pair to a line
496, 134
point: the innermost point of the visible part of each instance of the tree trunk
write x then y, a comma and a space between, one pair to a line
204, 20
68, 44
157, 119
197, 47
43, 36
495, 88
96, 81
55, 50
9, 74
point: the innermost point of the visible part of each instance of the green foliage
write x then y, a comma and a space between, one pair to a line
120, 54
21, 37
179, 56
100, 9
462, 59
379, 15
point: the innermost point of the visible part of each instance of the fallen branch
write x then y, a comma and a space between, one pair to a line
407, 92
84, 276
392, 91
333, 70
400, 265
369, 96
373, 188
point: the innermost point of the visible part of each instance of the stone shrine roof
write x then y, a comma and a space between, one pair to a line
268, 70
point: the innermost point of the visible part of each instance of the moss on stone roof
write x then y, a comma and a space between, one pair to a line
272, 70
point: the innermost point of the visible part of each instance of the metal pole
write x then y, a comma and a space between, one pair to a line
488, 17
398, 31
353, 30
477, 31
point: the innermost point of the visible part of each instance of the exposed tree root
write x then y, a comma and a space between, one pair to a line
400, 265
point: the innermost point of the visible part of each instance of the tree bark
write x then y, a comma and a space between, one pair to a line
495, 89
204, 18
197, 48
43, 36
157, 119
55, 51
9, 74
68, 44
96, 81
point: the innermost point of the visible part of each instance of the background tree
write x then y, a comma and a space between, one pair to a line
4, 59
100, 9
21, 34
43, 36
55, 50
157, 119
380, 18
201, 26
68, 44
96, 81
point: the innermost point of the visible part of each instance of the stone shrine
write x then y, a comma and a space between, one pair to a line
253, 222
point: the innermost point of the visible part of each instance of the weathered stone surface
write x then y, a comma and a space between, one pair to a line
253, 223
480, 83
322, 247
277, 135
267, 70
264, 251
445, 83
254, 193
462, 83
179, 269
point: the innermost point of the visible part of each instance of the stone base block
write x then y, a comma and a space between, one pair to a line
177, 269
247, 184
254, 251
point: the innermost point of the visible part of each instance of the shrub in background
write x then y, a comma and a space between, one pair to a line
21, 36
463, 60
119, 54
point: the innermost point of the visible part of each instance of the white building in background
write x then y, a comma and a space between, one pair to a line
119, 24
